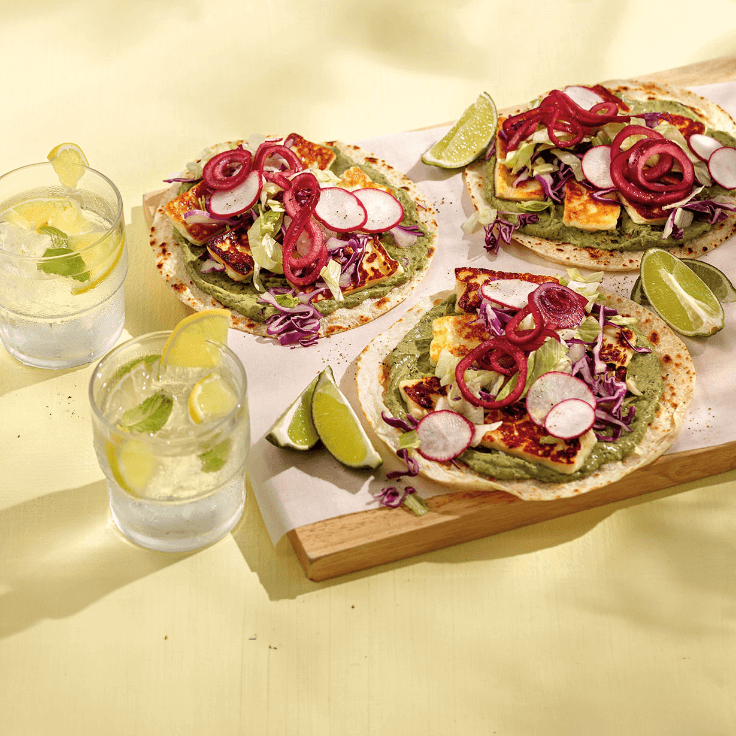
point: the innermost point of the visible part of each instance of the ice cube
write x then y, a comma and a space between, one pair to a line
19, 241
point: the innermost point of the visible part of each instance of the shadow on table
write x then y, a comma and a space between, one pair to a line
61, 552
282, 576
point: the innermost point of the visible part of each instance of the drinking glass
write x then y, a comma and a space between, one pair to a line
63, 262
179, 485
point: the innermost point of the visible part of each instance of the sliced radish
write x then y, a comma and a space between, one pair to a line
583, 96
703, 145
722, 167
340, 210
383, 209
570, 418
597, 166
444, 435
508, 292
552, 388
238, 200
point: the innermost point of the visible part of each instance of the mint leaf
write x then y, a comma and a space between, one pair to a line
127, 367
216, 457
150, 415
72, 266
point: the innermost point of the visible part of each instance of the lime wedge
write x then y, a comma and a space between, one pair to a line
338, 426
637, 293
716, 280
295, 428
680, 297
188, 345
468, 138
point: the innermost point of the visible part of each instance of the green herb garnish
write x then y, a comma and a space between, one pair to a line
150, 415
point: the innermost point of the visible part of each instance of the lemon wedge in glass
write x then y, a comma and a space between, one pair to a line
211, 398
189, 345
67, 158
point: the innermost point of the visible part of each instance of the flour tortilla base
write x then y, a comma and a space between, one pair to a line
679, 382
171, 265
569, 254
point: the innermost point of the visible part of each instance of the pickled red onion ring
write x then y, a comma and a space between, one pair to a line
495, 344
228, 169
558, 305
300, 199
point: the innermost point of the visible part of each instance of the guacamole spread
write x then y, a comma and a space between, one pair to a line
410, 359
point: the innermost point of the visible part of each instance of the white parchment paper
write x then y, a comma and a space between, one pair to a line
294, 489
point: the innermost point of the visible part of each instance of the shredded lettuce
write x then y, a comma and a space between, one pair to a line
534, 205
589, 329
265, 250
330, 274
571, 160
480, 218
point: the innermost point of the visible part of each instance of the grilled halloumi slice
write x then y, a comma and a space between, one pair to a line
313, 155
231, 249
503, 179
642, 214
197, 233
515, 434
614, 348
586, 213
458, 334
355, 178
377, 266
469, 280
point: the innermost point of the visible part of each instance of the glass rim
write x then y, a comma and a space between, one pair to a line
207, 428
113, 226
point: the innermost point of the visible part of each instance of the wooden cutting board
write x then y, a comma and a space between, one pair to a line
362, 540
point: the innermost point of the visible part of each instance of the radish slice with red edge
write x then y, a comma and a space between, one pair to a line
703, 145
569, 419
340, 210
383, 210
722, 167
239, 200
512, 293
596, 165
583, 96
443, 435
552, 388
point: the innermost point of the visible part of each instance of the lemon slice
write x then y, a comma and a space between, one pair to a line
189, 345
211, 398
101, 263
66, 158
468, 138
680, 297
295, 428
132, 465
338, 426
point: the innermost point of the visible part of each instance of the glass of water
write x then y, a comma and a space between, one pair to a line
63, 262
172, 442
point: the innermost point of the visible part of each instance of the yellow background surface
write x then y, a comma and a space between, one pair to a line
620, 620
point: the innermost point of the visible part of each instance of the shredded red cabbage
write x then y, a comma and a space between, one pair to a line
501, 230
405, 425
412, 466
713, 210
298, 325
393, 497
